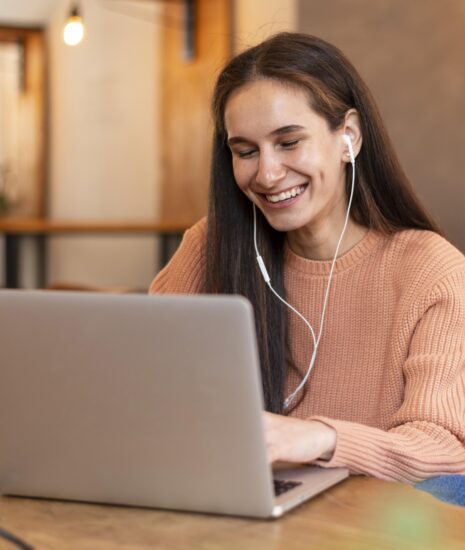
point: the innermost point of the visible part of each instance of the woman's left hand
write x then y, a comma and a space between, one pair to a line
299, 441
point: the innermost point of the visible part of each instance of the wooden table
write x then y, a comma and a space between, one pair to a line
358, 514
14, 230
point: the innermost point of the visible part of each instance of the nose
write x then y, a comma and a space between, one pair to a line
270, 170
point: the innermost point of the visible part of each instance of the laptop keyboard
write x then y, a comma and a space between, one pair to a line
281, 486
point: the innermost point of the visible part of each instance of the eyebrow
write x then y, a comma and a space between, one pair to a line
278, 132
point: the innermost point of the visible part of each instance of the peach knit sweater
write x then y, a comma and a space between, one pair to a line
390, 371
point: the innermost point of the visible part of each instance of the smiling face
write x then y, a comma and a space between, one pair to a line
285, 157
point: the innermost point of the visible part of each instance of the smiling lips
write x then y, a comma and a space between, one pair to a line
286, 195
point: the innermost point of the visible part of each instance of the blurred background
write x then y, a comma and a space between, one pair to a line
106, 143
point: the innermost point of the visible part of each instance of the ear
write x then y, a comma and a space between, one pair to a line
351, 127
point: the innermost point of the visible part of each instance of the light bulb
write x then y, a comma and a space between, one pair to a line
73, 32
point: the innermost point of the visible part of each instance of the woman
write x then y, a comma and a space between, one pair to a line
382, 369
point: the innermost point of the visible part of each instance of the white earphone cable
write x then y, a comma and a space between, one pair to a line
316, 341
269, 283
291, 398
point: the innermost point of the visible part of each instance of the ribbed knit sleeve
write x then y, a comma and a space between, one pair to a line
390, 371
426, 435
185, 272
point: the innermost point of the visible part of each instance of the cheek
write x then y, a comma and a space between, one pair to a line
304, 156
324, 167
242, 174
305, 161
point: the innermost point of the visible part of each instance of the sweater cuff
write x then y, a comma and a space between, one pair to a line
353, 446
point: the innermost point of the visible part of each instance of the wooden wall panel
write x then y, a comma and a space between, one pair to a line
30, 171
186, 127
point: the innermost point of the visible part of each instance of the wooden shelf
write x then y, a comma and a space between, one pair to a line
20, 226
40, 229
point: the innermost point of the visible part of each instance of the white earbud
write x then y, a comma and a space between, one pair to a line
348, 142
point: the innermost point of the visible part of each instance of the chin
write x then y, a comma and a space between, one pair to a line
284, 226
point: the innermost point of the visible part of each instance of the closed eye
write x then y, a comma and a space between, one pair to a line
289, 144
245, 154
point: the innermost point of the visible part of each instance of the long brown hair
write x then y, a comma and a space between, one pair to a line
383, 197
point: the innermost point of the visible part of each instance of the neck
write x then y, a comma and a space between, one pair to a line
321, 244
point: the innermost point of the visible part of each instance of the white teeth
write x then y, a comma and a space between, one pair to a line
286, 195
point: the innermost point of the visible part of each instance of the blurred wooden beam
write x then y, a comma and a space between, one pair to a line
187, 85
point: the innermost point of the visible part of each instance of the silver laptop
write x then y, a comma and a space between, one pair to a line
138, 400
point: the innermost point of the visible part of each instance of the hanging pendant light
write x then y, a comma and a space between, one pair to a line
74, 31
